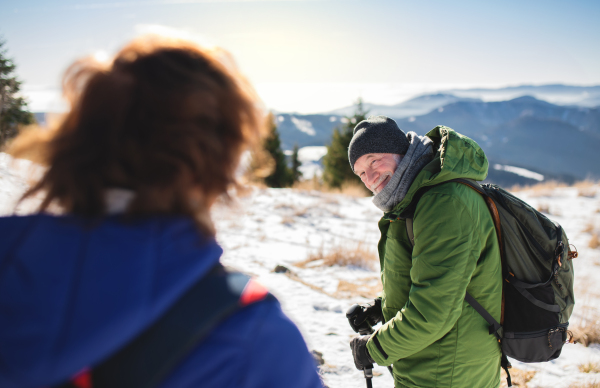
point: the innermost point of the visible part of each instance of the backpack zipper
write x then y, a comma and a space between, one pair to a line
539, 333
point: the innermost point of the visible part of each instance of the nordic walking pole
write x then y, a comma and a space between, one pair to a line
365, 329
368, 369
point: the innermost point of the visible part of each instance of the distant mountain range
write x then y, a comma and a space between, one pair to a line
552, 130
414, 107
561, 142
583, 96
524, 132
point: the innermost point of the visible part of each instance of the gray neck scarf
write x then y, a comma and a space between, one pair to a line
419, 153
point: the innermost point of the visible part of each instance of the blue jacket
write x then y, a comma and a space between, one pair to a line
72, 293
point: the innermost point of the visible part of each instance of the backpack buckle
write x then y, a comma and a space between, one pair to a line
572, 252
560, 248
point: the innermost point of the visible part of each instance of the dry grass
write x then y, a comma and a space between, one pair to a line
336, 214
587, 188
287, 220
293, 276
588, 228
540, 189
587, 193
587, 331
589, 367
350, 189
519, 378
364, 287
332, 201
357, 256
543, 208
308, 185
594, 242
356, 190
594, 384
586, 184
302, 212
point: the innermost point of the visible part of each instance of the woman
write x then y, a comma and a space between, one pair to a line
151, 140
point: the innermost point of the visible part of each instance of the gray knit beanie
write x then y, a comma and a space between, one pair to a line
377, 134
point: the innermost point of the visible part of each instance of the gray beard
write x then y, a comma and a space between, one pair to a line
419, 153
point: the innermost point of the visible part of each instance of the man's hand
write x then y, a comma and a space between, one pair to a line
362, 359
365, 316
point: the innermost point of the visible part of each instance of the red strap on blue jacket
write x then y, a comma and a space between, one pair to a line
148, 359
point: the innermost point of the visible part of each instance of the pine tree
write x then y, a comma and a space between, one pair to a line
281, 176
13, 109
296, 173
337, 170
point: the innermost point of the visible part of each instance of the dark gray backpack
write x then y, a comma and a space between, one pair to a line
538, 294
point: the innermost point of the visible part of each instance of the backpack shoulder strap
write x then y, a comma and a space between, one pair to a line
409, 213
494, 325
150, 357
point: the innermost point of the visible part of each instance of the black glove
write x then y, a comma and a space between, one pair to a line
362, 359
365, 316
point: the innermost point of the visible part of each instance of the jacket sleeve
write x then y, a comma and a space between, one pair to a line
443, 260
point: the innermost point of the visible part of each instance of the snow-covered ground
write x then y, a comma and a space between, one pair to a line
265, 228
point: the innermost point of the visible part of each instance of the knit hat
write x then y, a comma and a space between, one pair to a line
377, 134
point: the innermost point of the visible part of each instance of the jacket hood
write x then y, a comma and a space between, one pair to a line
457, 156
72, 293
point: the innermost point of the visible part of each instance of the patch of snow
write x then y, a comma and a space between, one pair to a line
281, 119
15, 175
304, 126
412, 119
520, 171
310, 157
311, 153
526, 113
332, 119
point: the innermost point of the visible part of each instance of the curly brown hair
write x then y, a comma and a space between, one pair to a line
165, 119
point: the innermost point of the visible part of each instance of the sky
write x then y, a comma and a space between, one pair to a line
311, 56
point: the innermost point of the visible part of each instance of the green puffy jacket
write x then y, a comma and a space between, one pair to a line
431, 335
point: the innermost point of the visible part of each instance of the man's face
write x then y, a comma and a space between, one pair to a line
376, 170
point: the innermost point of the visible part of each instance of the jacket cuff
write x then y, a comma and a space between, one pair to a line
377, 353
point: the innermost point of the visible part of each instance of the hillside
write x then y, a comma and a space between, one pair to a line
300, 230
559, 142
479, 117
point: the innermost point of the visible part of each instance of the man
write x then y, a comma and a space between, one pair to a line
429, 333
